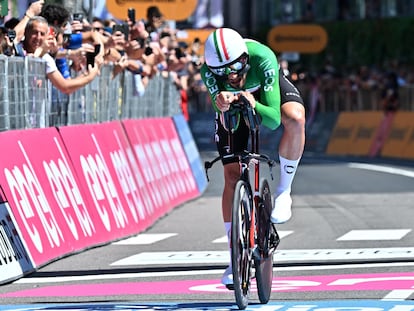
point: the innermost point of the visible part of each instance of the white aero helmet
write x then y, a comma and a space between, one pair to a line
223, 46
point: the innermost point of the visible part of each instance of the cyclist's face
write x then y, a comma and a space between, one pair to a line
236, 80
234, 73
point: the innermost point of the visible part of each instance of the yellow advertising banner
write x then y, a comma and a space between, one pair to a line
177, 10
301, 38
398, 138
341, 137
188, 36
408, 151
354, 133
367, 124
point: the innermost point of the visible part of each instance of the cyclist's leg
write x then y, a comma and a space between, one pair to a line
231, 175
290, 148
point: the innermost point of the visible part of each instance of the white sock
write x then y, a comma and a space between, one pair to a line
227, 227
287, 173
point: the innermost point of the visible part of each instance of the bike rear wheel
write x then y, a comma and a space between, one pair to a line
240, 243
263, 258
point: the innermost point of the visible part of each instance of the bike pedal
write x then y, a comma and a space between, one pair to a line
230, 286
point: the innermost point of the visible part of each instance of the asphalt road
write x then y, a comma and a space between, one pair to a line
350, 241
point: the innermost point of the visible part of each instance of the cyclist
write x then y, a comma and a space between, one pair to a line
236, 66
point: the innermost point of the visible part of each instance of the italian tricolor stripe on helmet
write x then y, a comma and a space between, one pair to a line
220, 45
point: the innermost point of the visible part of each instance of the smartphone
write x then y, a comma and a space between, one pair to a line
66, 39
78, 17
90, 56
131, 15
11, 34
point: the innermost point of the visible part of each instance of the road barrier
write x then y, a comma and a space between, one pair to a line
28, 100
70, 188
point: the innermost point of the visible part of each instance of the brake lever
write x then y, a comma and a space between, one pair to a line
207, 166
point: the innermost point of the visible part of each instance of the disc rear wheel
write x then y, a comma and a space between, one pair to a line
264, 254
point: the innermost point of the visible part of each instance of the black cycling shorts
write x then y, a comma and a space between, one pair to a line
240, 140
288, 92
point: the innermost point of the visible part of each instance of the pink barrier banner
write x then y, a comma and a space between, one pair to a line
75, 187
106, 166
39, 183
166, 178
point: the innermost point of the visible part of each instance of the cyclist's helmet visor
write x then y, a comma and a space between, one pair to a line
239, 66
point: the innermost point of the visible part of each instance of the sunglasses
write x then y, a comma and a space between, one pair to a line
236, 66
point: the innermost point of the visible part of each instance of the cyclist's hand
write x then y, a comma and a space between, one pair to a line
224, 99
249, 97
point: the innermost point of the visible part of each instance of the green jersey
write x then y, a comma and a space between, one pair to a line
262, 78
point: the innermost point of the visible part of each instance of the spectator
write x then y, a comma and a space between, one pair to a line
6, 39
33, 10
98, 25
155, 22
57, 16
38, 41
389, 94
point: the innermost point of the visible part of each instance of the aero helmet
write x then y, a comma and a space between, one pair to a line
223, 46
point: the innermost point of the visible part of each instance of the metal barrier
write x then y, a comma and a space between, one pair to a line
29, 100
343, 98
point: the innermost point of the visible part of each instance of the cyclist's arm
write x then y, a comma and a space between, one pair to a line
268, 73
212, 85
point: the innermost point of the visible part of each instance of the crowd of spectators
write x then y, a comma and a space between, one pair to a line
389, 87
75, 49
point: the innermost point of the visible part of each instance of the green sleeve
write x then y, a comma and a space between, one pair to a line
212, 85
267, 71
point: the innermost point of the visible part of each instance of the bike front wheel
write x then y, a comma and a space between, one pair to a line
241, 243
264, 253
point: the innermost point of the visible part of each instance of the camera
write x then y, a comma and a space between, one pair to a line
78, 17
131, 15
90, 56
11, 34
148, 50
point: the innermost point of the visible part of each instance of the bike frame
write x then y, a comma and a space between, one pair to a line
256, 250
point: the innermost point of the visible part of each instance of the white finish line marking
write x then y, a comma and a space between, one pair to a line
146, 238
222, 257
383, 169
399, 294
377, 234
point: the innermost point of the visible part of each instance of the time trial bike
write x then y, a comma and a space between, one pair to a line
254, 237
